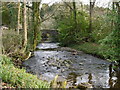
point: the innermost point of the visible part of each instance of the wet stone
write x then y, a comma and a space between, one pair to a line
49, 62
80, 63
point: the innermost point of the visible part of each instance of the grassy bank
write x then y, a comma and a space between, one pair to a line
89, 48
18, 77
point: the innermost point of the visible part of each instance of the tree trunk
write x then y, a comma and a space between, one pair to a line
75, 17
112, 21
25, 25
1, 45
90, 23
90, 12
28, 19
36, 22
18, 27
74, 11
118, 31
113, 5
0, 40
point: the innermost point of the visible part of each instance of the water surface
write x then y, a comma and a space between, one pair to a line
73, 66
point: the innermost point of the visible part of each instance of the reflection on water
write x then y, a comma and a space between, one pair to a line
117, 84
114, 80
75, 68
90, 78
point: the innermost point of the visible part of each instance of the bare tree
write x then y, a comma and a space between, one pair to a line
71, 9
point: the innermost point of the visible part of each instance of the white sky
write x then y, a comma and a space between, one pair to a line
100, 3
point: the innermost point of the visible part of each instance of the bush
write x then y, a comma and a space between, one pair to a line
102, 26
112, 46
9, 16
112, 42
71, 32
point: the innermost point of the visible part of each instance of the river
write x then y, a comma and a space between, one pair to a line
74, 66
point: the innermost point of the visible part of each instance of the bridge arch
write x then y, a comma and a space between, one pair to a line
49, 35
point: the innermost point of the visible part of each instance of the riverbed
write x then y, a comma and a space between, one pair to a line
71, 65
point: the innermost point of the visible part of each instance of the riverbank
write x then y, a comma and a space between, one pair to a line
89, 48
18, 78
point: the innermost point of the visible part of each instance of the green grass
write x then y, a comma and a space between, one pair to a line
89, 48
18, 77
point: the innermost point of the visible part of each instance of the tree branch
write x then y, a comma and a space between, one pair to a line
68, 5
50, 15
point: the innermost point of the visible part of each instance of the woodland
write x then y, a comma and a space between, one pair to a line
88, 28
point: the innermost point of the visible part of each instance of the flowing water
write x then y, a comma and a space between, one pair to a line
74, 66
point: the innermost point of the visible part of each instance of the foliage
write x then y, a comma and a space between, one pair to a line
18, 77
9, 15
71, 32
11, 41
112, 42
45, 9
102, 26
4, 60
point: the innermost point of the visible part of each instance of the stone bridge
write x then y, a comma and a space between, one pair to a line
50, 34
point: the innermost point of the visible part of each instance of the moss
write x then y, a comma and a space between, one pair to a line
18, 77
